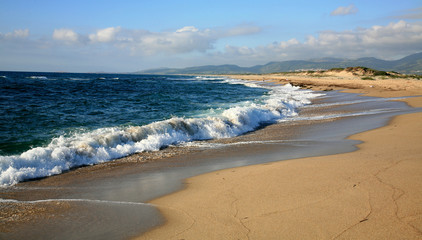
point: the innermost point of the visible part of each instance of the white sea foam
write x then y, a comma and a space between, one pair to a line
105, 144
366, 100
198, 144
340, 115
74, 200
78, 79
206, 78
38, 77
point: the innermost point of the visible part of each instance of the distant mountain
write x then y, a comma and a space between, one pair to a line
410, 65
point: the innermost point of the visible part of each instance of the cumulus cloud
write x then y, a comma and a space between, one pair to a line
397, 38
183, 40
142, 42
199, 46
66, 35
187, 29
105, 35
342, 11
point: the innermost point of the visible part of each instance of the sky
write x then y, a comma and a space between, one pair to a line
128, 36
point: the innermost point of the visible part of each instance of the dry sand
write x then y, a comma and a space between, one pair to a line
331, 80
372, 193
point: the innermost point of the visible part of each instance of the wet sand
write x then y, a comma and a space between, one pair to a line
143, 177
372, 193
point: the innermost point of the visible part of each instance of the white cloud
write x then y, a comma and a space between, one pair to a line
66, 35
105, 35
187, 29
395, 39
342, 11
193, 46
16, 34
142, 42
400, 35
183, 40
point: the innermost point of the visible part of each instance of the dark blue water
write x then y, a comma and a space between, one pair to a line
90, 118
52, 122
37, 107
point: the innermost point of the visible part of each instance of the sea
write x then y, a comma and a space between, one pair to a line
54, 122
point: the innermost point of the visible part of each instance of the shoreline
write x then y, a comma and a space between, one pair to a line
373, 192
118, 180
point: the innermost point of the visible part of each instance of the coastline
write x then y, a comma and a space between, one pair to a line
372, 192
115, 192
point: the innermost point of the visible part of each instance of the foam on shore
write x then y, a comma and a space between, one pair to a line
105, 144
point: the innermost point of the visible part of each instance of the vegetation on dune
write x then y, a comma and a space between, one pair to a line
364, 72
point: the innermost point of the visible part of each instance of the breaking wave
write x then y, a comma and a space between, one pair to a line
105, 144
38, 77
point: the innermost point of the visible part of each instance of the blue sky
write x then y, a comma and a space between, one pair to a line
125, 36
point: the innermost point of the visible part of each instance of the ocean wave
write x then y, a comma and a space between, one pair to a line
205, 145
105, 144
340, 115
208, 78
366, 100
78, 79
38, 77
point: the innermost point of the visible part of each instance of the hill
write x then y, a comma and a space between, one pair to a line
411, 64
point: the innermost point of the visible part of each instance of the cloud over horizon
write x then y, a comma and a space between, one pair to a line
130, 49
66, 35
142, 42
397, 39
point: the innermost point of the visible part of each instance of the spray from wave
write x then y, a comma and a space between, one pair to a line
105, 144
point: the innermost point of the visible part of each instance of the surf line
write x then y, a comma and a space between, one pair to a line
74, 200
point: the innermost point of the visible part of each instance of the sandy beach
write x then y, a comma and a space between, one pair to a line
372, 193
222, 120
